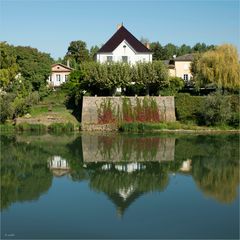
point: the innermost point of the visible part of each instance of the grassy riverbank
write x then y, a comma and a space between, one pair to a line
174, 126
51, 110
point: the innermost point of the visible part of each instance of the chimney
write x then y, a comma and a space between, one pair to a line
119, 26
147, 45
68, 64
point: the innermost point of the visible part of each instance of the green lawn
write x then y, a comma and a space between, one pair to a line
53, 106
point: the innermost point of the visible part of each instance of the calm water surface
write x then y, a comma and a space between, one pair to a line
119, 186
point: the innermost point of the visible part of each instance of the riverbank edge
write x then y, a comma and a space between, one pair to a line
116, 128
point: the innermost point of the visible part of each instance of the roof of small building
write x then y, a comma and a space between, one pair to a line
186, 57
62, 65
123, 34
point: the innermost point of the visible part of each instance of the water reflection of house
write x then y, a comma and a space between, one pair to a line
129, 167
123, 198
59, 166
186, 165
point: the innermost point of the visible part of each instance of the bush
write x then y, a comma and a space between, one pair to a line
175, 84
61, 127
189, 108
216, 110
6, 107
22, 127
235, 120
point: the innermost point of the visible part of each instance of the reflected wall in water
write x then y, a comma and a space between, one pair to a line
123, 167
130, 148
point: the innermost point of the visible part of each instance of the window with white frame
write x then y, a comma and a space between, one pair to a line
66, 77
58, 77
185, 77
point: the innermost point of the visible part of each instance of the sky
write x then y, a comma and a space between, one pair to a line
50, 25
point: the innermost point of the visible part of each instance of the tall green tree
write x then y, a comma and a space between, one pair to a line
8, 65
93, 51
184, 49
78, 51
158, 51
170, 50
202, 47
35, 66
219, 67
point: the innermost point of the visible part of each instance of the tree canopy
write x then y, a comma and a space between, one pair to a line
8, 65
78, 51
219, 67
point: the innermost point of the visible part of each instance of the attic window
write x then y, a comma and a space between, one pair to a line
124, 46
58, 67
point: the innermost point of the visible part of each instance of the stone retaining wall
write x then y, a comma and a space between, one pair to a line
166, 108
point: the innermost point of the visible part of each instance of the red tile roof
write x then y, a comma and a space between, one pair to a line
123, 34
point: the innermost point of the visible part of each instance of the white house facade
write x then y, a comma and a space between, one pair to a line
123, 47
59, 75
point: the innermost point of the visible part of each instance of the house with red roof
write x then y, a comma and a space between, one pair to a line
59, 75
124, 47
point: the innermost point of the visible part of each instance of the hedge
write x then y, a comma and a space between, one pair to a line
189, 108
193, 108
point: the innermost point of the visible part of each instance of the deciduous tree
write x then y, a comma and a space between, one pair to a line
219, 67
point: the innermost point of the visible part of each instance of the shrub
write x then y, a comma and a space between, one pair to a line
216, 110
6, 107
106, 112
235, 120
189, 108
175, 84
61, 127
22, 127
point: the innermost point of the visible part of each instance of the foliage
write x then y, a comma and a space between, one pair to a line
93, 51
8, 65
25, 127
174, 86
150, 76
61, 127
213, 110
35, 67
106, 112
78, 51
216, 110
145, 110
166, 52
202, 47
158, 51
6, 107
13, 105
219, 67
188, 108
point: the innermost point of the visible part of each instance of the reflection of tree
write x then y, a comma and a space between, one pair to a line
24, 172
215, 163
217, 181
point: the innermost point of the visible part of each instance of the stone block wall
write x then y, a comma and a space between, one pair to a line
166, 108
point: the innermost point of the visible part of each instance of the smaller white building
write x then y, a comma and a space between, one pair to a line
60, 74
124, 47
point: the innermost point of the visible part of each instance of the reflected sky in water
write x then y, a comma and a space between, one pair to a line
120, 186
